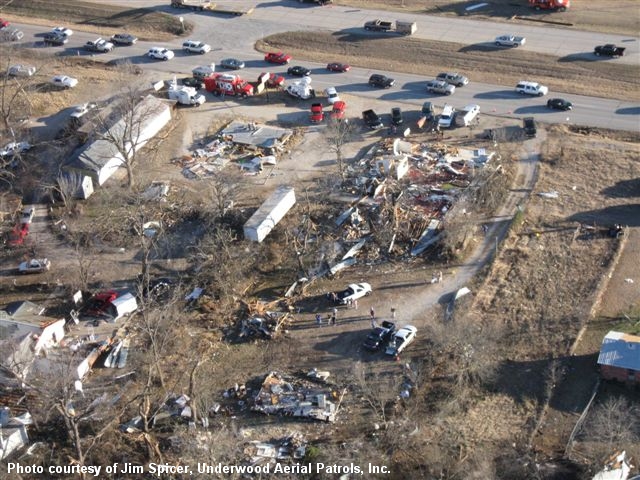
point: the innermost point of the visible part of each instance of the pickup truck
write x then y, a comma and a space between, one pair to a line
98, 45
609, 50
529, 126
510, 41
404, 28
35, 265
372, 119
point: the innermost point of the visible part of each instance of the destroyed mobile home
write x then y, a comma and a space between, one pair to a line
297, 398
248, 145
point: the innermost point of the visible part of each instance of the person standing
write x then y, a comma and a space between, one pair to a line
334, 317
318, 319
372, 312
393, 313
355, 304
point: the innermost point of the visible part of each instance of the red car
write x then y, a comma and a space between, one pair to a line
317, 114
277, 57
3, 23
18, 234
338, 67
338, 110
273, 81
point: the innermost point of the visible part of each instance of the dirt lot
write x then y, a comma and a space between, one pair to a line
600, 16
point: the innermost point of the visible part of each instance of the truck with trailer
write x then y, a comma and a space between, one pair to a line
228, 84
403, 28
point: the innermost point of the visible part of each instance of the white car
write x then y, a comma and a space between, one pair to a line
160, 53
401, 340
13, 148
64, 81
531, 88
446, 117
27, 214
509, 41
35, 265
81, 110
21, 70
352, 292
332, 95
67, 32
192, 46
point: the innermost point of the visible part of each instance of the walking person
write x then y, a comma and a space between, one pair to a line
393, 313
334, 316
373, 323
355, 304
372, 312
318, 319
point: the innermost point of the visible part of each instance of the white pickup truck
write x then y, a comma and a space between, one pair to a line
509, 41
35, 265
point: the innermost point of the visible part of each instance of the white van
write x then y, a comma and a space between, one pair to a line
531, 88
446, 117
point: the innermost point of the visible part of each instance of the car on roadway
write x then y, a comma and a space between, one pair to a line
81, 110
332, 95
99, 45
21, 70
453, 78
381, 81
396, 116
193, 46
441, 87
338, 67
353, 292
559, 104
160, 53
67, 32
401, 340
193, 82
509, 41
124, 39
379, 336
64, 81
298, 71
232, 63
35, 265
53, 38
14, 148
277, 57
531, 88
4, 23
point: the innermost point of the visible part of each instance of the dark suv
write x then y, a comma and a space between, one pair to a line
52, 38
377, 80
396, 116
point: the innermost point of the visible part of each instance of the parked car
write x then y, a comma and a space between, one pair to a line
67, 32
53, 38
509, 41
81, 110
401, 340
338, 67
396, 116
353, 292
193, 82
338, 110
203, 71
4, 23
529, 127
231, 63
21, 70
466, 116
35, 265
559, 104
427, 110
317, 113
99, 45
277, 57
332, 95
18, 234
124, 39
446, 117
64, 81
531, 88
439, 86
14, 148
379, 336
193, 46
372, 119
382, 81
453, 78
27, 214
160, 53
298, 71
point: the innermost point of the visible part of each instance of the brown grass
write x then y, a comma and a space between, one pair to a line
481, 63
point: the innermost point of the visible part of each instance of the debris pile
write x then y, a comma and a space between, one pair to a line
267, 325
297, 398
292, 447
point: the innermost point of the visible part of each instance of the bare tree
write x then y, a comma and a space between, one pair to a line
378, 391
223, 189
338, 133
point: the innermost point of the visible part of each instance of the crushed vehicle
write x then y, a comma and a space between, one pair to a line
609, 50
401, 340
379, 336
372, 119
35, 265
14, 148
98, 45
354, 291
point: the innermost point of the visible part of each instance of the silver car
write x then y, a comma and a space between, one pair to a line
453, 78
440, 86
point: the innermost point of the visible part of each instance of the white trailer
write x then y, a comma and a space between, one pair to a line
269, 213
185, 95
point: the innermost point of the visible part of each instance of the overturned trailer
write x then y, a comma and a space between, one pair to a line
269, 214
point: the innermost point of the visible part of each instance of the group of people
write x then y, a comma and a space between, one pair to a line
333, 318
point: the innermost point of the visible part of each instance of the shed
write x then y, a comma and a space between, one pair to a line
21, 319
269, 214
619, 357
13, 432
101, 158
